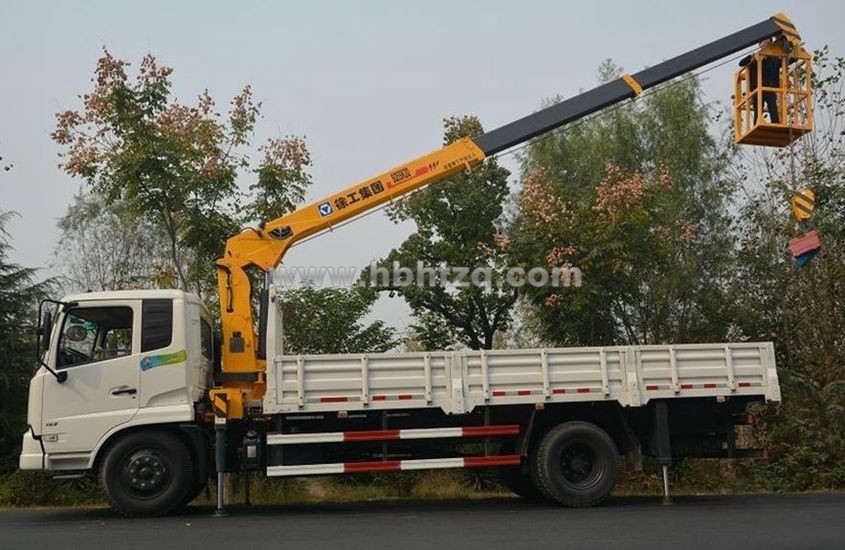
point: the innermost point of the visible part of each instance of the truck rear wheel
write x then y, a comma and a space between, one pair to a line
146, 474
575, 464
520, 484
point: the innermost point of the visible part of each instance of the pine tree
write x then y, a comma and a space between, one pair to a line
19, 297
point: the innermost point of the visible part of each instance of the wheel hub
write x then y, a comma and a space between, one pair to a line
577, 463
145, 472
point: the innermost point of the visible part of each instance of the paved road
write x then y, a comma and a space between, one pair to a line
713, 522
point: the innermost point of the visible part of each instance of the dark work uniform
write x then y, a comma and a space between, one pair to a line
771, 79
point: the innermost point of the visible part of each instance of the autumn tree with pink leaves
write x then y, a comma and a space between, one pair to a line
176, 165
637, 201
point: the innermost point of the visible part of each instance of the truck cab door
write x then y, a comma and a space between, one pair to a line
98, 345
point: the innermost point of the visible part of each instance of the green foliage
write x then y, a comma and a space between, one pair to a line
635, 199
282, 181
25, 488
329, 320
456, 226
804, 435
19, 297
801, 309
176, 165
665, 263
107, 246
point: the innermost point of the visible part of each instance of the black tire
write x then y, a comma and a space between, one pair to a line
520, 484
575, 464
146, 474
197, 487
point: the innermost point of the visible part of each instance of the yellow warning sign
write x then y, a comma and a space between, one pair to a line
803, 203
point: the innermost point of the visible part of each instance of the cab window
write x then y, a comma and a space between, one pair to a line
93, 334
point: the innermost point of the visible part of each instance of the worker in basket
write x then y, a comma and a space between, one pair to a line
771, 79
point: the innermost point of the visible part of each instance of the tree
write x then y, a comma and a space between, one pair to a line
19, 297
456, 226
636, 199
105, 246
5, 164
800, 309
176, 165
329, 320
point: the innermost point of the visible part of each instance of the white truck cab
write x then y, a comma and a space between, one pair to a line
127, 359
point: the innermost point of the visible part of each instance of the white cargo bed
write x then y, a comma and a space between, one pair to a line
459, 381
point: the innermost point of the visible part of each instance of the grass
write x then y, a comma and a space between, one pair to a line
24, 489
428, 485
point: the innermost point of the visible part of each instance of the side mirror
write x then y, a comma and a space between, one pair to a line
44, 330
43, 333
42, 339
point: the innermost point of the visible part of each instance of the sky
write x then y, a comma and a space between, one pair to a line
367, 83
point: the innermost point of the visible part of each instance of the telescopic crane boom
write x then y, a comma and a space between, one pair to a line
243, 361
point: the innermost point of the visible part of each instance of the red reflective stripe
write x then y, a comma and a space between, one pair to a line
559, 390
523, 392
405, 396
652, 387
333, 399
375, 466
379, 398
710, 385
502, 460
373, 435
476, 431
744, 384
686, 386
583, 390
499, 393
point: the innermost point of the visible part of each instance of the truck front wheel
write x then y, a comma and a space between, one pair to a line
575, 464
197, 486
146, 474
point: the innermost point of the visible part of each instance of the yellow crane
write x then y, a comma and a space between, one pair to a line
768, 110
138, 413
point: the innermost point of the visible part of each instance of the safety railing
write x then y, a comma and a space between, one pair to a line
773, 115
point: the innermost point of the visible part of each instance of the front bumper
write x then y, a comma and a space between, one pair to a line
32, 456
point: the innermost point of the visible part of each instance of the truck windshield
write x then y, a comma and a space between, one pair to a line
94, 334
